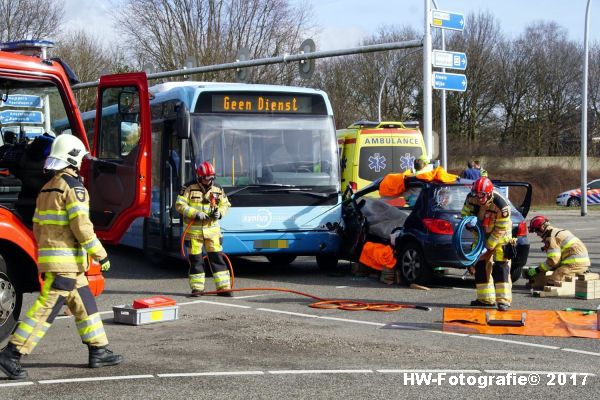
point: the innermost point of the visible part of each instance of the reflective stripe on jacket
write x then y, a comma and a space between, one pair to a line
195, 198
563, 249
62, 226
494, 216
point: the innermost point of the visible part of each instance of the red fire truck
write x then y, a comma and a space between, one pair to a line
35, 91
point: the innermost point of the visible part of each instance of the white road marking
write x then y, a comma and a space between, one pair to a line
293, 372
321, 371
220, 304
17, 384
449, 333
251, 296
462, 288
288, 313
341, 287
543, 346
96, 378
217, 373
591, 353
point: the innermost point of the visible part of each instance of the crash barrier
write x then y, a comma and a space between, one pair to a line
539, 322
471, 257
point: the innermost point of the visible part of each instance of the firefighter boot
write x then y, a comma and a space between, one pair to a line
10, 363
103, 357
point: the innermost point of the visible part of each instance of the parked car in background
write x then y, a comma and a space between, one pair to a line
428, 213
572, 198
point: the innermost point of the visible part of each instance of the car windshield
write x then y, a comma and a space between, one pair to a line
452, 197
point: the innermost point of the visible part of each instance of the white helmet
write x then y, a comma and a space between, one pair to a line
67, 150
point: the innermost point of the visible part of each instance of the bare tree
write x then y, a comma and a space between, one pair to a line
89, 59
168, 32
30, 19
473, 109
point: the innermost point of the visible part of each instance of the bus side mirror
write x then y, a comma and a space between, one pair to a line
182, 126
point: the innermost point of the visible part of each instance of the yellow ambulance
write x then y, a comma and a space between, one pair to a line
370, 150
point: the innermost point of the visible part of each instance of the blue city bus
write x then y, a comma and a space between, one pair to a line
275, 154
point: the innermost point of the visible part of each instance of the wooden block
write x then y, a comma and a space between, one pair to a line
590, 276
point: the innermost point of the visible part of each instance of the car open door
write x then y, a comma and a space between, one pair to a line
519, 194
119, 175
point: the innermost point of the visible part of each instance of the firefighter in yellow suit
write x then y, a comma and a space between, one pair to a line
492, 277
203, 203
566, 255
65, 235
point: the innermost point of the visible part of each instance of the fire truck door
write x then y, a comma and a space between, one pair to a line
119, 176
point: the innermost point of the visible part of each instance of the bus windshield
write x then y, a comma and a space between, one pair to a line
294, 151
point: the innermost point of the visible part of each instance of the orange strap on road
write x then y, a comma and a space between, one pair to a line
537, 322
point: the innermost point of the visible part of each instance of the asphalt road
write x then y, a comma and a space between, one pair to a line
271, 345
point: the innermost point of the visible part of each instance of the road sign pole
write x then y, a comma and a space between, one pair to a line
427, 87
584, 104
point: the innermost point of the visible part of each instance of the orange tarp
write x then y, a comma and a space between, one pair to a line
439, 174
537, 322
378, 256
393, 184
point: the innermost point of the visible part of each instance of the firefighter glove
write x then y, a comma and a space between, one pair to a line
105, 264
472, 223
531, 272
201, 216
217, 214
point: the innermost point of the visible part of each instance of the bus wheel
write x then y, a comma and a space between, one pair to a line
281, 259
11, 298
327, 262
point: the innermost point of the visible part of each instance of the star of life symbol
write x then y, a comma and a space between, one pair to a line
377, 162
406, 161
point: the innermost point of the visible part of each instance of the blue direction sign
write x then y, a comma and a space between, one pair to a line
447, 81
447, 20
21, 117
22, 100
449, 59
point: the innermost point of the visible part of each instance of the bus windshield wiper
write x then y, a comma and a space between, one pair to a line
276, 186
300, 190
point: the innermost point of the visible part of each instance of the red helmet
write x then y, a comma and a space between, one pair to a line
538, 224
205, 170
482, 188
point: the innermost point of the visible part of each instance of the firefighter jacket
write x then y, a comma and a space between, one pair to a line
563, 249
494, 217
62, 226
195, 198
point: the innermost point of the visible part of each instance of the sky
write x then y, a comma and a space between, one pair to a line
345, 22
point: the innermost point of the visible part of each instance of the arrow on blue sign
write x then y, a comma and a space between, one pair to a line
447, 20
449, 59
22, 117
447, 81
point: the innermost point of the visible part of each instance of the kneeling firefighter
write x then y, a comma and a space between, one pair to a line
205, 203
65, 236
492, 278
566, 255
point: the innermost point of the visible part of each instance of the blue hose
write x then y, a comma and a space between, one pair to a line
470, 258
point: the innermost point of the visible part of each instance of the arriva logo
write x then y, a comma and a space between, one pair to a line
262, 218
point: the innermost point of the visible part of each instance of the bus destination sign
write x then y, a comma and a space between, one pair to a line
261, 103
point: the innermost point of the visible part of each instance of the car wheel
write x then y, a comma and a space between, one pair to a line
574, 202
281, 259
412, 264
327, 262
515, 272
11, 298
